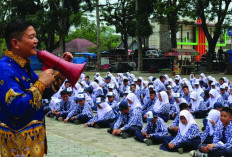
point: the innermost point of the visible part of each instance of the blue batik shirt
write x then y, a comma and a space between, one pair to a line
107, 116
114, 106
79, 110
217, 137
133, 118
158, 128
149, 105
192, 133
176, 121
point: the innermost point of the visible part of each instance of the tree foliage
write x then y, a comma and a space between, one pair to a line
87, 30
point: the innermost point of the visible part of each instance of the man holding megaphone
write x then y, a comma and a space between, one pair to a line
22, 128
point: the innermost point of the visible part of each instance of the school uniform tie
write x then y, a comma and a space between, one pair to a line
223, 135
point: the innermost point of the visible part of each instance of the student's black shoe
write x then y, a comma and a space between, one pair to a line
110, 130
51, 116
181, 150
203, 128
77, 122
61, 119
97, 126
136, 138
125, 135
148, 142
56, 118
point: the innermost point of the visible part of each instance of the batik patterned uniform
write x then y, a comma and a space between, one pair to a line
133, 118
22, 128
192, 133
158, 128
107, 116
81, 111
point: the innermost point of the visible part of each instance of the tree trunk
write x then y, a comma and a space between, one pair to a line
211, 55
140, 54
173, 36
98, 36
125, 43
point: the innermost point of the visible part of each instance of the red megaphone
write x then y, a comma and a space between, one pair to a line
70, 70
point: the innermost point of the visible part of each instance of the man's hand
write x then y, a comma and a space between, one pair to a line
148, 136
114, 132
145, 116
118, 131
85, 125
209, 147
176, 129
212, 122
72, 118
204, 149
92, 123
67, 56
66, 120
171, 145
57, 113
47, 77
53, 111
144, 133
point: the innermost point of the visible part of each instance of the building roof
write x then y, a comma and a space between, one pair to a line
76, 45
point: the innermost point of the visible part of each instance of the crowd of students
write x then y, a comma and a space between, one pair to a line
123, 102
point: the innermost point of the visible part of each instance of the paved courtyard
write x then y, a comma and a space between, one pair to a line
70, 140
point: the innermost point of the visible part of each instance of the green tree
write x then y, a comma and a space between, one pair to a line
168, 12
122, 16
213, 10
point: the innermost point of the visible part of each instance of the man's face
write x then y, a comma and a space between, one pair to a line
125, 82
81, 102
27, 44
67, 85
133, 88
64, 97
222, 91
221, 82
225, 118
186, 91
111, 98
152, 96
124, 111
107, 80
87, 79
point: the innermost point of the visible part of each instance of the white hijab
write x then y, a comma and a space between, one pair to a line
95, 86
215, 116
198, 99
135, 101
159, 104
230, 97
189, 85
216, 95
177, 105
190, 121
105, 108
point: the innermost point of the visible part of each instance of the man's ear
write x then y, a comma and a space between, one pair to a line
15, 43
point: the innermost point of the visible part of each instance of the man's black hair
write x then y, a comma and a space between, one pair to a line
152, 92
185, 87
210, 81
86, 76
63, 92
227, 109
15, 29
161, 77
183, 106
133, 84
67, 82
222, 79
96, 80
